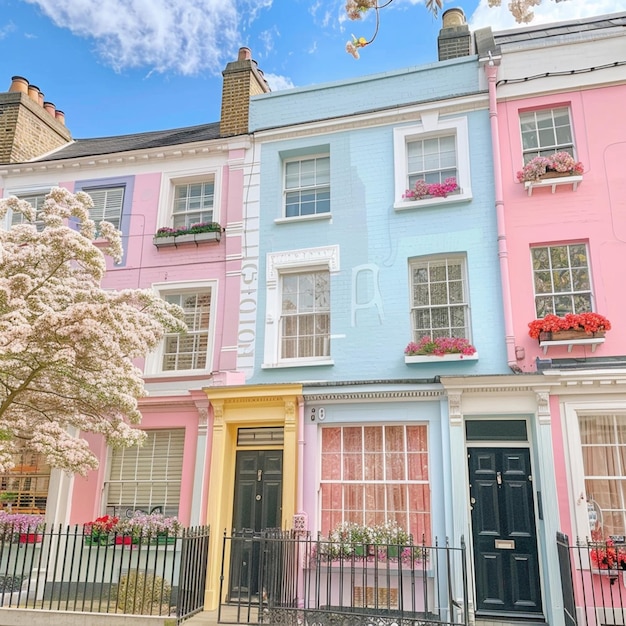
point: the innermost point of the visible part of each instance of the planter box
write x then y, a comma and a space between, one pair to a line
553, 180
434, 359
570, 338
30, 538
179, 240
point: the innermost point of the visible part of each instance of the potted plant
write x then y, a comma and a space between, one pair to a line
422, 189
440, 347
24, 527
9, 498
100, 531
605, 555
199, 232
570, 326
151, 527
558, 164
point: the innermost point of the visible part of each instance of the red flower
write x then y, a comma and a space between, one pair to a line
589, 322
101, 525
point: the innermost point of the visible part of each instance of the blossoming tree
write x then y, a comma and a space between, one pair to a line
66, 344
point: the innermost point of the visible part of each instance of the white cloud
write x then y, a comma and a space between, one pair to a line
277, 82
6, 29
184, 36
499, 18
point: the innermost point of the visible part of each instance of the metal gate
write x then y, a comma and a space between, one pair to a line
299, 580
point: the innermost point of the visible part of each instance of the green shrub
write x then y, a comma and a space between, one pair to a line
142, 594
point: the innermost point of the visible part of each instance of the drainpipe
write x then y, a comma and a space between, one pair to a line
491, 70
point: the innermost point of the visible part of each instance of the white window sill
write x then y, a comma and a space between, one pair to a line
552, 183
298, 363
304, 218
409, 205
594, 342
433, 358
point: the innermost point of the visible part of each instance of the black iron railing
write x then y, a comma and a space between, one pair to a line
593, 580
284, 577
64, 569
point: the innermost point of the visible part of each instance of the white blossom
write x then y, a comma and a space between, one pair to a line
66, 345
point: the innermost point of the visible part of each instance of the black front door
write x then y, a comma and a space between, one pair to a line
257, 507
504, 532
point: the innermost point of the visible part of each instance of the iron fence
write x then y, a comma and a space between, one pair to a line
593, 580
286, 577
64, 569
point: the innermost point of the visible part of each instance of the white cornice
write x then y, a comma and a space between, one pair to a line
134, 157
395, 115
373, 396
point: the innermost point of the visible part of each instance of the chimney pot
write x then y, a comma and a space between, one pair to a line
453, 17
19, 83
41, 98
245, 54
50, 108
60, 116
33, 93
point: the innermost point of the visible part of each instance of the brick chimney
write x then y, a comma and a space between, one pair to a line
454, 37
242, 79
28, 128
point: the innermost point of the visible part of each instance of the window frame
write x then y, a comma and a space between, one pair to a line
571, 413
127, 511
555, 294
284, 317
530, 153
384, 482
431, 126
106, 189
293, 261
24, 194
413, 262
311, 188
169, 182
154, 361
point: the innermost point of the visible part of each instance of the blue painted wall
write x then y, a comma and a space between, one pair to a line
368, 230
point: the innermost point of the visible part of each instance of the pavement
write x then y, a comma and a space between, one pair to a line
204, 618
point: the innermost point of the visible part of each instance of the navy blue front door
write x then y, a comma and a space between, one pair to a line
504, 532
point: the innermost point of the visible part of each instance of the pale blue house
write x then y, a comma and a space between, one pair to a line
341, 271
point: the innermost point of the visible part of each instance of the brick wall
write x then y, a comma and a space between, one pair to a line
27, 131
242, 79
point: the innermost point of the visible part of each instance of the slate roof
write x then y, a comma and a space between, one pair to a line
560, 29
138, 141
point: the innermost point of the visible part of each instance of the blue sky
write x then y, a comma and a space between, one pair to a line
126, 66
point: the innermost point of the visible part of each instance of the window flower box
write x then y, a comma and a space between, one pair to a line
551, 171
440, 359
197, 233
440, 349
30, 538
571, 330
422, 189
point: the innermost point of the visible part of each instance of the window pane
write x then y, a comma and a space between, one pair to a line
193, 204
604, 457
439, 304
561, 279
545, 132
148, 476
188, 351
305, 319
385, 476
307, 187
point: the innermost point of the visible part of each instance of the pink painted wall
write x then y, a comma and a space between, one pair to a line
178, 413
595, 213
145, 265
